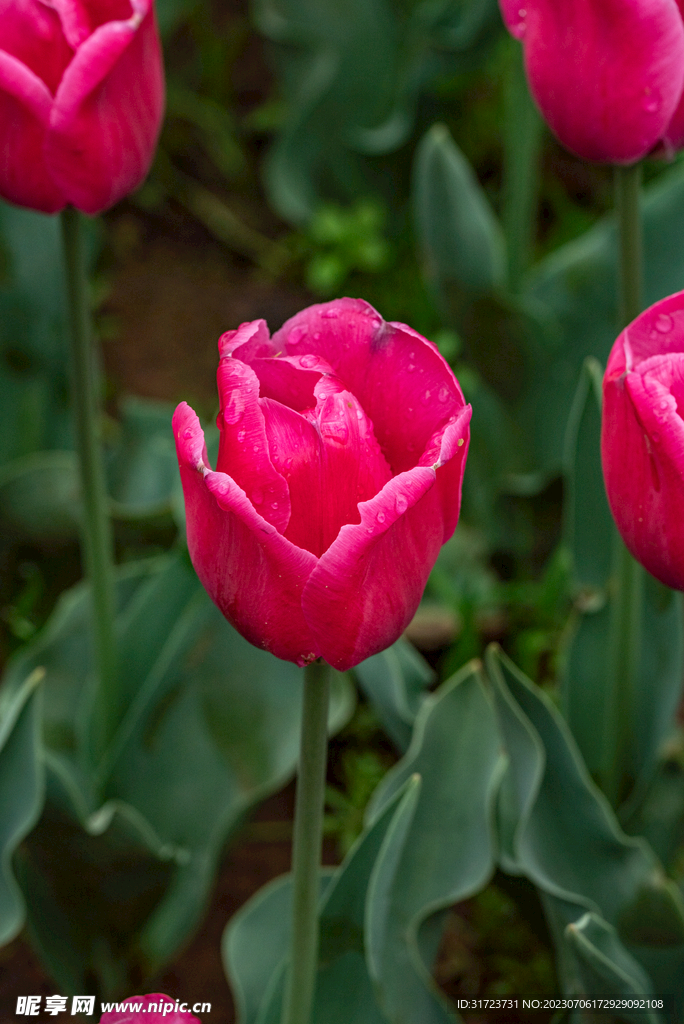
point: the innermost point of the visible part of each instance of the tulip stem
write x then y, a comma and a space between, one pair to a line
627, 203
97, 549
522, 144
626, 600
306, 852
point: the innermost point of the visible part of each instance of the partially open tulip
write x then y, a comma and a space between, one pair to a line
149, 1009
642, 443
343, 445
81, 101
607, 75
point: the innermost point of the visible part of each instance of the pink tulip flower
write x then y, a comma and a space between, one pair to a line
149, 1009
81, 101
642, 443
342, 451
607, 75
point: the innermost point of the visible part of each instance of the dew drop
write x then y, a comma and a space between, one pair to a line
288, 463
187, 434
443, 394
410, 409
274, 504
257, 497
651, 104
664, 404
401, 504
330, 314
664, 323
256, 448
308, 361
317, 336
241, 436
381, 517
411, 368
412, 356
425, 400
296, 335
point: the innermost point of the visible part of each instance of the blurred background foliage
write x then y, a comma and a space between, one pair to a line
378, 148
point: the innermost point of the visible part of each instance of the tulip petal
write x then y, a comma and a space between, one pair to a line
368, 584
331, 462
25, 104
657, 391
247, 341
366, 353
606, 74
107, 113
32, 32
286, 381
252, 573
244, 448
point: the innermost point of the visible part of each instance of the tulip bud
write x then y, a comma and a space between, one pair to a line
81, 101
642, 439
607, 75
343, 446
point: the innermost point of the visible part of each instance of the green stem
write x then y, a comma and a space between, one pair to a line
522, 146
627, 597
96, 532
306, 853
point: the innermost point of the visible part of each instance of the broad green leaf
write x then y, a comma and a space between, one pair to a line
142, 467
460, 237
21, 790
395, 682
603, 965
208, 725
593, 542
442, 852
562, 834
255, 942
351, 75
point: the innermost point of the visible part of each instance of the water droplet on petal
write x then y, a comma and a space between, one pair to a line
650, 103
664, 323
425, 400
381, 517
411, 367
412, 356
256, 448
187, 434
288, 463
308, 361
241, 436
664, 404
443, 394
257, 497
401, 503
330, 314
274, 504
296, 335
317, 336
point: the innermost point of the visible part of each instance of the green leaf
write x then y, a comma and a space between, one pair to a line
461, 239
395, 682
208, 726
441, 852
604, 967
351, 76
256, 940
142, 467
562, 834
40, 496
21, 789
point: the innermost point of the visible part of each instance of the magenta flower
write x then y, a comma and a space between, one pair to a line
343, 445
150, 1009
642, 443
607, 75
81, 101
